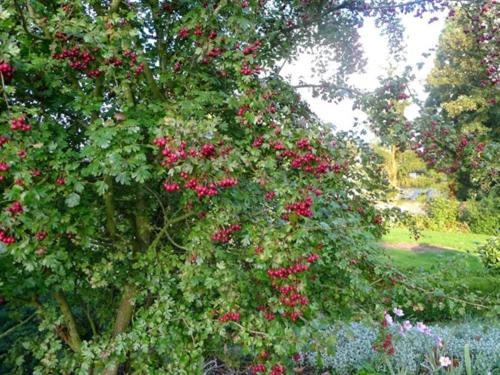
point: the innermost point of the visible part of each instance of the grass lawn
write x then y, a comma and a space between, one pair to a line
451, 240
469, 270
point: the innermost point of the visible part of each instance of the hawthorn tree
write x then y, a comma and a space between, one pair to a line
167, 197
457, 132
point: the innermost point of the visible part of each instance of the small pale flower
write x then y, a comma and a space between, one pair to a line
445, 361
398, 312
439, 342
388, 319
407, 325
421, 327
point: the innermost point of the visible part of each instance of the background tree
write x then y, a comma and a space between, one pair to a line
458, 130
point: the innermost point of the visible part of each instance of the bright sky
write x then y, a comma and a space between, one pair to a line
421, 37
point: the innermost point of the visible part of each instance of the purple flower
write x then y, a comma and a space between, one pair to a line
406, 326
439, 342
398, 312
421, 327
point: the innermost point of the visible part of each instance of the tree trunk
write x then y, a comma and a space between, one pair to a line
393, 166
123, 318
74, 340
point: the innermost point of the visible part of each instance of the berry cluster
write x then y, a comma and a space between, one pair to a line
285, 272
183, 33
308, 161
241, 112
41, 235
6, 70
257, 369
78, 59
230, 316
138, 69
6, 239
301, 208
252, 47
227, 182
202, 191
247, 70
170, 187
259, 141
277, 370
3, 140
291, 298
15, 208
208, 150
4, 167
304, 144
20, 124
270, 195
224, 235
173, 154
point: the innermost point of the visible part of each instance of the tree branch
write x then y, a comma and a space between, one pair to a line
328, 86
18, 325
110, 207
75, 341
24, 23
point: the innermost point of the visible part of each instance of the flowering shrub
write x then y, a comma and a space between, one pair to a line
347, 348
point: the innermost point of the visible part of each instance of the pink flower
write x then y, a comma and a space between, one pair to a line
445, 361
398, 312
421, 327
388, 319
439, 342
407, 325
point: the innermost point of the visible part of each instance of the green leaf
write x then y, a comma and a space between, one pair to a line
73, 200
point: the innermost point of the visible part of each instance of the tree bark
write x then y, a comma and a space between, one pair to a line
393, 173
74, 340
122, 321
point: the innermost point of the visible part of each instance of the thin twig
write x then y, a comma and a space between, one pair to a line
20, 324
91, 321
250, 330
24, 23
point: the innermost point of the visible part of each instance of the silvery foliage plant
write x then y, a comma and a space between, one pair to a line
348, 348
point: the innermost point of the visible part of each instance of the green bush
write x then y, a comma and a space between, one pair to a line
442, 214
490, 253
483, 216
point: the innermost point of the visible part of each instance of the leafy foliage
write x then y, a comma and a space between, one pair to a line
490, 254
482, 216
458, 133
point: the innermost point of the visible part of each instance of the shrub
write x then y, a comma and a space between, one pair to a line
442, 214
490, 254
483, 216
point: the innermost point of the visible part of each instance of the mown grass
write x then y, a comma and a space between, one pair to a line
452, 240
457, 256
